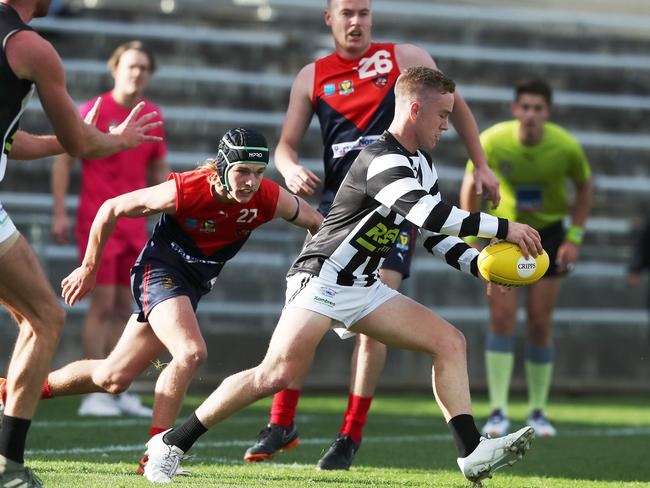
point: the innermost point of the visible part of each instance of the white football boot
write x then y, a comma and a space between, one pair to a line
99, 405
543, 426
16, 475
130, 404
497, 424
493, 454
179, 471
163, 461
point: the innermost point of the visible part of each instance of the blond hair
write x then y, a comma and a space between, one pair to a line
414, 82
114, 60
210, 165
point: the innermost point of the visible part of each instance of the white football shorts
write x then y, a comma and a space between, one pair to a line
8, 232
345, 305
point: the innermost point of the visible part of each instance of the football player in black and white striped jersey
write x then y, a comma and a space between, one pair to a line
334, 282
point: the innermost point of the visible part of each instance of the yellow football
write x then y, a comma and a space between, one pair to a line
503, 263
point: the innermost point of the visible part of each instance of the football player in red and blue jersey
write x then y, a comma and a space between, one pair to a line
351, 92
206, 217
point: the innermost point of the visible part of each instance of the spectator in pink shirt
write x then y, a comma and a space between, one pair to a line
131, 66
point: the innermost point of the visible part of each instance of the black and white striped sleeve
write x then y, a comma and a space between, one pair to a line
456, 252
391, 182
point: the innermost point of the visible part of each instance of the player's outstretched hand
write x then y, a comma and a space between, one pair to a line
93, 113
526, 238
134, 130
484, 178
77, 284
301, 181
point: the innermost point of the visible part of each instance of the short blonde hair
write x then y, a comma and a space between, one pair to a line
414, 81
114, 60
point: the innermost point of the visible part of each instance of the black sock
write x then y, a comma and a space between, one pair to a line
186, 435
465, 433
12, 438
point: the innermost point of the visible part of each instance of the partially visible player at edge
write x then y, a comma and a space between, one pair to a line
131, 65
27, 63
534, 160
351, 92
334, 283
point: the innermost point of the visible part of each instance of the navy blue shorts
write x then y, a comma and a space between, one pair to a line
552, 237
399, 258
153, 283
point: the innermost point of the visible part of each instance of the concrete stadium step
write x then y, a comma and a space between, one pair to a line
551, 22
584, 13
196, 129
584, 288
269, 254
466, 57
35, 207
269, 92
176, 43
616, 200
217, 316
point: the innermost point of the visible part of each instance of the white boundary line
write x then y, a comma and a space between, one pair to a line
604, 432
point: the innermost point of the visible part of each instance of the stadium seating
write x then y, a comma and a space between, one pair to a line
223, 65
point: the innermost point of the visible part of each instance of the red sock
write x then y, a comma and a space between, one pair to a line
45, 390
155, 430
284, 406
355, 416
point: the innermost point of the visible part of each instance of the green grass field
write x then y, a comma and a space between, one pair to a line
603, 442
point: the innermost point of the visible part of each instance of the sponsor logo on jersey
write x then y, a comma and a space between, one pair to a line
342, 148
328, 292
329, 89
403, 242
191, 259
378, 239
208, 226
324, 301
191, 223
529, 198
345, 87
380, 81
